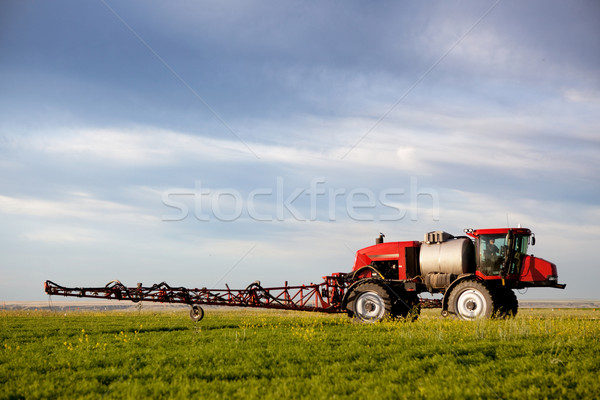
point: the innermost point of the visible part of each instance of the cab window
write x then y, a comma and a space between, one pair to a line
491, 253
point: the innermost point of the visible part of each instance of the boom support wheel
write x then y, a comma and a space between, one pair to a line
196, 313
472, 300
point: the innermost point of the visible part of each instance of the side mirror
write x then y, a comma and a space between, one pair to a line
533, 240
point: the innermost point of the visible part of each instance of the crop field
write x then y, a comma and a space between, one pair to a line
284, 355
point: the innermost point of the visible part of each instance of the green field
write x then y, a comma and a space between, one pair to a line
263, 354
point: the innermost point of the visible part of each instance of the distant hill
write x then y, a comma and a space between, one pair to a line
559, 303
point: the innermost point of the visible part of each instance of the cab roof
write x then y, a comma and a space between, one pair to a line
496, 231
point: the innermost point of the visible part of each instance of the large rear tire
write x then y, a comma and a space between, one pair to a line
472, 300
370, 302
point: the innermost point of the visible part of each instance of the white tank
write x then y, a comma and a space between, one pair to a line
455, 256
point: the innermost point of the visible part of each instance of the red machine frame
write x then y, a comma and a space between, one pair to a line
322, 297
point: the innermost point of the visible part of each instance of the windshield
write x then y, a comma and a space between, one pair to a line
493, 250
491, 253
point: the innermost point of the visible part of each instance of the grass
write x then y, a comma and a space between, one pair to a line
263, 354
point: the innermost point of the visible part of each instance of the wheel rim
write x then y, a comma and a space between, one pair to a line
369, 306
471, 304
196, 313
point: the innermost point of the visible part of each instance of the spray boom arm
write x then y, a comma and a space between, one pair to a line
324, 297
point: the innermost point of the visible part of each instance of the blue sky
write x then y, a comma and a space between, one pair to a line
201, 143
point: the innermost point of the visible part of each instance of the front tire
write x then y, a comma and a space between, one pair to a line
472, 300
506, 302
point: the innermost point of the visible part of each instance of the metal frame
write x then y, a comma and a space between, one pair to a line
322, 297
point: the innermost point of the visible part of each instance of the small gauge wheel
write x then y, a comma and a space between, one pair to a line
196, 313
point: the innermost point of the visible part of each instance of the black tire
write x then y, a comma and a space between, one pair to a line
370, 302
472, 300
196, 313
513, 304
506, 302
408, 306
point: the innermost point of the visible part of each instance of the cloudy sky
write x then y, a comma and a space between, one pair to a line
204, 143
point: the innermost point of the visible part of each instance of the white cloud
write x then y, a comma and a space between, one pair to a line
62, 235
76, 205
582, 96
515, 146
134, 147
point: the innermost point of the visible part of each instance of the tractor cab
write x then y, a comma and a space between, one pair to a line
500, 252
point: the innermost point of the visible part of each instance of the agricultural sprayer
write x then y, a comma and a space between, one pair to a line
476, 276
